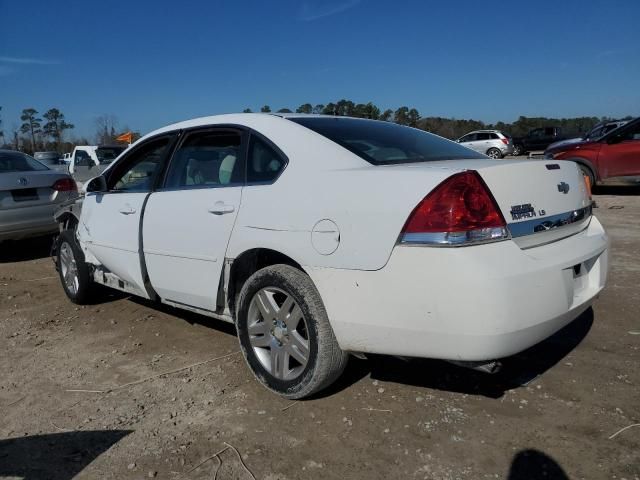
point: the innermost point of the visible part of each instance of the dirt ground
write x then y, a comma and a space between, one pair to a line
552, 413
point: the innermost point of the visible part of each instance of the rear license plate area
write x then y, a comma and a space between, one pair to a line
25, 195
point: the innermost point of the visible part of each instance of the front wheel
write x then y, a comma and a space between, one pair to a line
285, 335
73, 271
586, 171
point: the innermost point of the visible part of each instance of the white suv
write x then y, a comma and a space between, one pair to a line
492, 143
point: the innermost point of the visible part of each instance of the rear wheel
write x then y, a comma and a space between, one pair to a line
517, 149
73, 271
285, 335
494, 153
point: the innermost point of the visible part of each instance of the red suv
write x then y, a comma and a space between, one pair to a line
615, 155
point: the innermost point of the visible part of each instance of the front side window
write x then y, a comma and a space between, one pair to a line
206, 159
386, 143
19, 162
264, 164
468, 138
138, 171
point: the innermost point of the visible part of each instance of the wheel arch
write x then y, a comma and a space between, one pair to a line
586, 163
249, 262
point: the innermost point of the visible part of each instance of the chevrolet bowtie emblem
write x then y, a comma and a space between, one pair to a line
563, 187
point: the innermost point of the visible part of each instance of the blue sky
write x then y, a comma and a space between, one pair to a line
151, 63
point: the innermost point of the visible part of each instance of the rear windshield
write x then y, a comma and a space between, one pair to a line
19, 162
385, 143
108, 154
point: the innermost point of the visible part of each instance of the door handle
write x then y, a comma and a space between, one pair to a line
127, 210
220, 208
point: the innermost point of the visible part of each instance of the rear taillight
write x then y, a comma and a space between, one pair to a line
65, 185
459, 211
505, 141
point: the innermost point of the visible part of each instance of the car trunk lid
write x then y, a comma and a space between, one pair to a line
541, 201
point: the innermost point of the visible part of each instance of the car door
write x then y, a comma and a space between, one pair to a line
110, 220
619, 155
83, 166
188, 221
468, 141
482, 142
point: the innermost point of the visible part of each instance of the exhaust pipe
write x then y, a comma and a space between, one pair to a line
491, 367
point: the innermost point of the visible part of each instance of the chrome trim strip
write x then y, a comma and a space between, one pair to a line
455, 239
552, 222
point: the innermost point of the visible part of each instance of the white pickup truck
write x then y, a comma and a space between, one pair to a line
88, 161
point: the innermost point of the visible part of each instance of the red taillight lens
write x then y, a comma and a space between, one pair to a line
460, 210
65, 185
505, 141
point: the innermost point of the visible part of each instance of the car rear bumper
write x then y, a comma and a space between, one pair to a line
470, 303
18, 223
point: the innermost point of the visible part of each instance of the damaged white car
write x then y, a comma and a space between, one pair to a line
324, 236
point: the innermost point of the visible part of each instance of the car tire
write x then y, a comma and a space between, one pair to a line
73, 270
586, 171
285, 335
517, 150
494, 153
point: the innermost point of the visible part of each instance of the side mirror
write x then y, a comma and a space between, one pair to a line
97, 184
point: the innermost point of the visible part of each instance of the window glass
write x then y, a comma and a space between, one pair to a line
263, 164
138, 171
468, 138
494, 136
538, 132
107, 155
19, 162
386, 143
206, 159
82, 159
549, 131
483, 136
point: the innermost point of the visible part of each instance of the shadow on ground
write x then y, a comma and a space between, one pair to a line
25, 250
517, 370
436, 374
58, 456
621, 190
535, 465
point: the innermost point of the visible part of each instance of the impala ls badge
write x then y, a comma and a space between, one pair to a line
22, 181
563, 187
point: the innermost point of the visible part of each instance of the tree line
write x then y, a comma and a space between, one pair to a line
49, 132
451, 128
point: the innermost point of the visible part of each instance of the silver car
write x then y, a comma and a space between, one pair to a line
492, 143
30, 193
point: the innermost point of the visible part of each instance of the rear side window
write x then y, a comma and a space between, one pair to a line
484, 136
206, 159
385, 143
19, 162
264, 164
494, 136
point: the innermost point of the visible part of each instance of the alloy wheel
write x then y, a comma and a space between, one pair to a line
278, 333
69, 268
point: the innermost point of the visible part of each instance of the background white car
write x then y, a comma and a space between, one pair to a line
319, 236
493, 143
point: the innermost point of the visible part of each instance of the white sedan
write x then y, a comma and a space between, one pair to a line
321, 237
